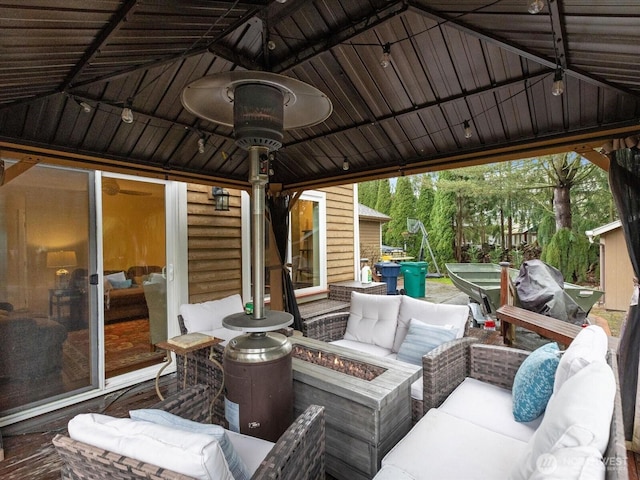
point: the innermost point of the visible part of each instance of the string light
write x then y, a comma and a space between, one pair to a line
467, 129
558, 83
345, 164
535, 6
127, 114
386, 55
201, 142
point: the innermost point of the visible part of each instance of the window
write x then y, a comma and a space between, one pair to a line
308, 241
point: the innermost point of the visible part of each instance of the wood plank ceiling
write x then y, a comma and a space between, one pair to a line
488, 63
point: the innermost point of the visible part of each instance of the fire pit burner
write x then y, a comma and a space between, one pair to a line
338, 363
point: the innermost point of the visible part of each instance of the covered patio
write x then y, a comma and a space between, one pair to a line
415, 86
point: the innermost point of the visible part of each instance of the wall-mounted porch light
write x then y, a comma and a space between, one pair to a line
220, 199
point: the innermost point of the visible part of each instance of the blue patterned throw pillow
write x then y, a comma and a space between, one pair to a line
236, 465
533, 383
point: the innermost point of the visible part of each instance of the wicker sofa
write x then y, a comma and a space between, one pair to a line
380, 325
298, 453
488, 442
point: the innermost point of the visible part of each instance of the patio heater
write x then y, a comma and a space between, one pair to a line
259, 106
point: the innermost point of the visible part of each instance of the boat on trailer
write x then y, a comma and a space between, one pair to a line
481, 281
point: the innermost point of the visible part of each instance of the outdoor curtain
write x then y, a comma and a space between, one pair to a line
279, 212
624, 179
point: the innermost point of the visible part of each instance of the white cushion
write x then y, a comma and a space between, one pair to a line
235, 463
578, 415
225, 334
417, 389
373, 319
431, 313
193, 454
252, 450
391, 472
206, 316
116, 277
574, 463
441, 446
363, 347
589, 345
488, 406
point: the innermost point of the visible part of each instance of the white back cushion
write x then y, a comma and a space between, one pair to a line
206, 316
373, 319
193, 454
431, 313
589, 345
578, 415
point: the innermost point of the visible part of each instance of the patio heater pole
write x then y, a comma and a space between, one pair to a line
258, 182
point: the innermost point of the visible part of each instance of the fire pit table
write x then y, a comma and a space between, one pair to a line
365, 417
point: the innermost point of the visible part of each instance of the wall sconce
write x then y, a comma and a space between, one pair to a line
220, 199
61, 260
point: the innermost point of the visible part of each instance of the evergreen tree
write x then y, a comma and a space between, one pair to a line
368, 193
424, 205
383, 197
442, 221
403, 207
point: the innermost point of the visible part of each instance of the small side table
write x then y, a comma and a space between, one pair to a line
175, 345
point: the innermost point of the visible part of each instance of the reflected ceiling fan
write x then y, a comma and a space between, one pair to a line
110, 186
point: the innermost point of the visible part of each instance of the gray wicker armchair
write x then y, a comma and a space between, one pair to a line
298, 454
445, 367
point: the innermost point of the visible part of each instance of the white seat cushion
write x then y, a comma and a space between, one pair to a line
363, 347
193, 454
207, 316
488, 406
225, 334
430, 313
373, 319
441, 446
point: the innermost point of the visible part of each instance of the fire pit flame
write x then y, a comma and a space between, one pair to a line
333, 361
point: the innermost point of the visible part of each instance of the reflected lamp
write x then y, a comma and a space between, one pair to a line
61, 260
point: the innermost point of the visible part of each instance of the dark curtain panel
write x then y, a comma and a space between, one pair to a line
624, 179
279, 213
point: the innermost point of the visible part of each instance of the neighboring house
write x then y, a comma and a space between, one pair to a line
370, 222
616, 272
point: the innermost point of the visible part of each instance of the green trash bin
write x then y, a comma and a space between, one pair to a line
415, 274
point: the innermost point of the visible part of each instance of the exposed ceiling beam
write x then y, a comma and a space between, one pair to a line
17, 169
557, 25
595, 157
331, 39
114, 25
424, 106
518, 50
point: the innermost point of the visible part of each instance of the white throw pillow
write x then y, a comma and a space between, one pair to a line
373, 319
117, 277
589, 345
193, 454
422, 338
206, 316
429, 313
236, 465
578, 415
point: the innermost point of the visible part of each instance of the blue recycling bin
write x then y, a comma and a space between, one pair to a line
415, 274
389, 272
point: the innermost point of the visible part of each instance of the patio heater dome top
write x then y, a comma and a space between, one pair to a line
213, 97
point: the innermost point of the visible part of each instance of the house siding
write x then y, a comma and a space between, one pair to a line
215, 241
370, 240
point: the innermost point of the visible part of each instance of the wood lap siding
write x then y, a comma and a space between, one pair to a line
215, 242
340, 233
215, 246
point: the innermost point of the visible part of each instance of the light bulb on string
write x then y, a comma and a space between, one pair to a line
345, 165
386, 55
467, 129
535, 6
558, 83
201, 143
127, 114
